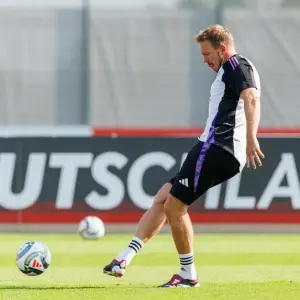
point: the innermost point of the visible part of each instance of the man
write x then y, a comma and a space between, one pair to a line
228, 143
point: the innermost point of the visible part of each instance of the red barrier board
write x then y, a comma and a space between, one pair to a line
183, 132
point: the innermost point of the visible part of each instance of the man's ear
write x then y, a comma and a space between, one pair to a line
223, 48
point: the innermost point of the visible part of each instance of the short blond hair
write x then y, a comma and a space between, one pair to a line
215, 34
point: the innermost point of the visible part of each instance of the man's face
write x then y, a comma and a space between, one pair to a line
212, 57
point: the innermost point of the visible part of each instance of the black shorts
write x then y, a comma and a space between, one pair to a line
205, 166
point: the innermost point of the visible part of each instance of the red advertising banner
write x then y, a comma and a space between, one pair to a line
63, 179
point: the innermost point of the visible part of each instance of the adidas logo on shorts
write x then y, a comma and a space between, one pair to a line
184, 181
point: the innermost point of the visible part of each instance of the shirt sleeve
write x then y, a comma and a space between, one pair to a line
240, 78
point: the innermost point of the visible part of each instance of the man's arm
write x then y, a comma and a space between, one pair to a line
242, 81
252, 111
244, 84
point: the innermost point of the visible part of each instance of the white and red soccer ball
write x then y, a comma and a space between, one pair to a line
33, 258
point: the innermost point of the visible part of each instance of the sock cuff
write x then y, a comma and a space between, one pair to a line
136, 239
186, 255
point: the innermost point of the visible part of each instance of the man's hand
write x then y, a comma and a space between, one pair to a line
253, 153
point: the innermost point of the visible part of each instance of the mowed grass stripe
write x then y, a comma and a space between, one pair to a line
117, 237
112, 244
278, 290
207, 238
57, 277
162, 259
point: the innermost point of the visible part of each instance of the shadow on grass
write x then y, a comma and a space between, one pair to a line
26, 287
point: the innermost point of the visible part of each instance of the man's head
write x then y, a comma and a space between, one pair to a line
216, 45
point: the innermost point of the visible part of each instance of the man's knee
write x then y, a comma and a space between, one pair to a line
174, 208
162, 195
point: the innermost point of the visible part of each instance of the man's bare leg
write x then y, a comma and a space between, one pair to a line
154, 219
149, 225
183, 235
180, 223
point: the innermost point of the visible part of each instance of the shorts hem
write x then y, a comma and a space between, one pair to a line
179, 198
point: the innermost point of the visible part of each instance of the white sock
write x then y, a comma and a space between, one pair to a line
130, 252
187, 266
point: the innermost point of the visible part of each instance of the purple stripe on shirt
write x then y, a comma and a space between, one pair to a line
233, 62
203, 152
232, 65
236, 61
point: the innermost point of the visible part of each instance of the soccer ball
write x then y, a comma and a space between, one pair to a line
33, 258
91, 228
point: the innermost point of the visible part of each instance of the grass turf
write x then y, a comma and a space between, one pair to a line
230, 267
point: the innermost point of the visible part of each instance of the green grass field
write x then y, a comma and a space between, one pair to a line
231, 267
